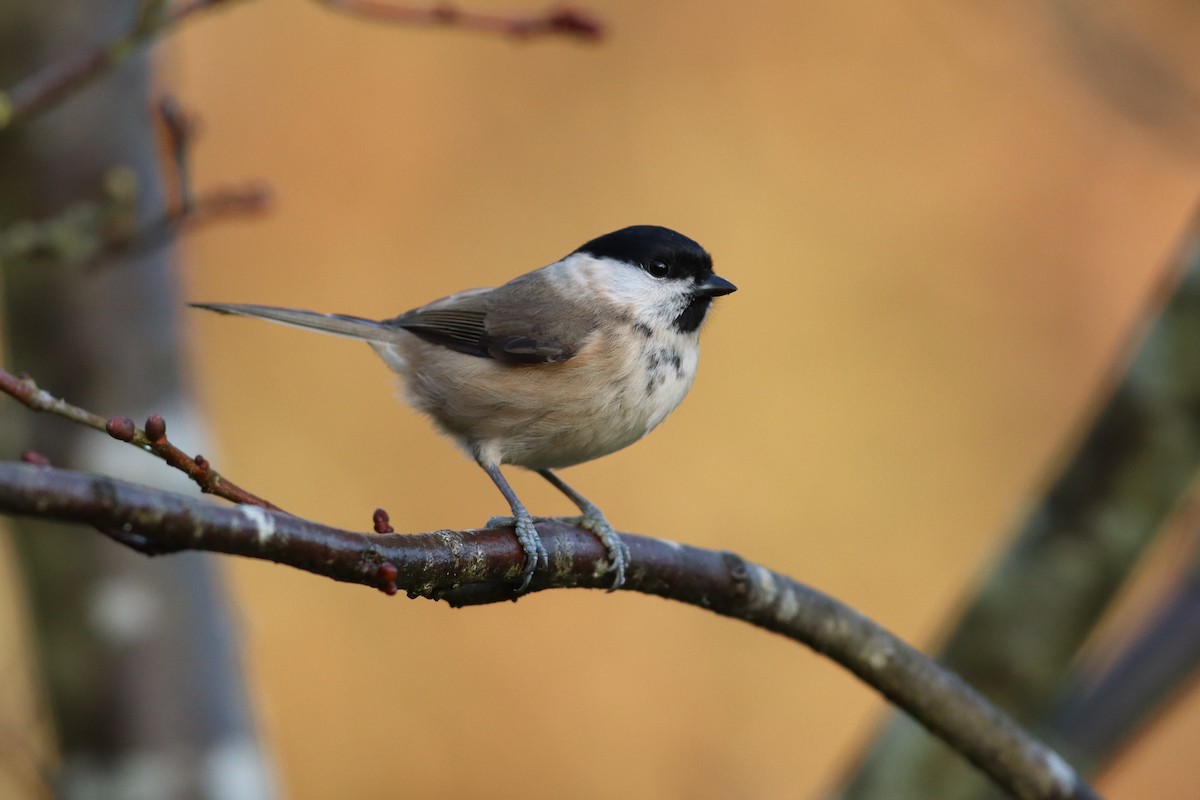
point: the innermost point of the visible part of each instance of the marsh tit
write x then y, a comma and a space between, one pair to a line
558, 366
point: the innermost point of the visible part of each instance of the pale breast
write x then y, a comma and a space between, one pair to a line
546, 416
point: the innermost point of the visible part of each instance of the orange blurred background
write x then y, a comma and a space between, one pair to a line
943, 222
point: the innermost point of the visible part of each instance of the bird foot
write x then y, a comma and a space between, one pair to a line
614, 545
531, 545
592, 520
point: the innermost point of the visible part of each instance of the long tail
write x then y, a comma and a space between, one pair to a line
337, 324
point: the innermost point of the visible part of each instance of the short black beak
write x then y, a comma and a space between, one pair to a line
714, 286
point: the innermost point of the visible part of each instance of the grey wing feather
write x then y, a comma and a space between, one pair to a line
464, 330
525, 321
521, 322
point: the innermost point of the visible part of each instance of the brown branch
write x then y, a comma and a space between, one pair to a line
560, 21
153, 439
474, 567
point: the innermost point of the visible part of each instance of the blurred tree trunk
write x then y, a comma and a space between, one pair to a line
137, 656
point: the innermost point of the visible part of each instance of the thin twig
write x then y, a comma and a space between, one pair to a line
217, 205
177, 128
187, 212
559, 21
43, 89
152, 440
98, 233
92, 235
473, 567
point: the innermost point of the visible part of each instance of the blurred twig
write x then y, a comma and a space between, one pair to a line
1103, 710
1133, 74
43, 89
560, 21
472, 567
176, 129
188, 212
96, 233
93, 234
152, 440
216, 205
78, 234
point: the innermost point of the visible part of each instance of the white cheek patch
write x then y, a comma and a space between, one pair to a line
631, 287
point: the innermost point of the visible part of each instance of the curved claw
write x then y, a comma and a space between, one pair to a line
594, 521
614, 545
531, 545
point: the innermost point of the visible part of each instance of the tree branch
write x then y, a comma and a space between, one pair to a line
153, 439
474, 567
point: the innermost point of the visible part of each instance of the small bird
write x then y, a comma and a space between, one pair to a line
558, 366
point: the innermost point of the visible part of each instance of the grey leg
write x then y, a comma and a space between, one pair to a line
593, 519
522, 522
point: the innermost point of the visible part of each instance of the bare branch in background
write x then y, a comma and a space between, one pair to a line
561, 21
474, 567
218, 205
176, 129
94, 234
1105, 708
188, 212
98, 233
1134, 74
43, 89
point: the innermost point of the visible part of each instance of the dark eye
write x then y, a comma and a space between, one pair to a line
658, 269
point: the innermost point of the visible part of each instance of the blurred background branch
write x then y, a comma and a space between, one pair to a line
155, 18
1104, 704
92, 234
1019, 636
570, 22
